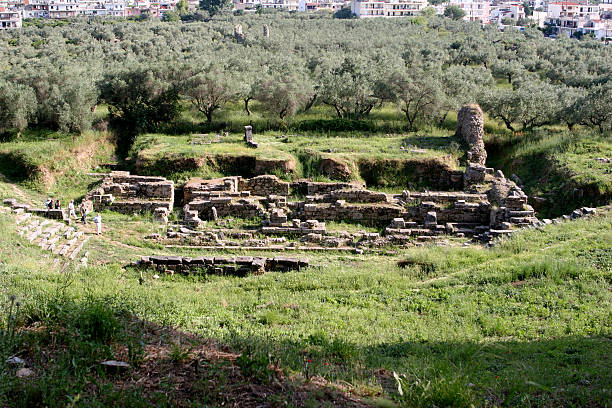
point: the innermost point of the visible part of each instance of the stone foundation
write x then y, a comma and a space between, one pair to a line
125, 193
240, 265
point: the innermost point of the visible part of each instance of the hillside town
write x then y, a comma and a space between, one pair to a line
570, 18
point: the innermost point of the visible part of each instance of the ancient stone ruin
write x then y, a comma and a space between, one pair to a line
248, 137
240, 265
470, 127
238, 35
127, 194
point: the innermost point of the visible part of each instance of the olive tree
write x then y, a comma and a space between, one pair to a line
595, 108
349, 88
209, 89
418, 94
17, 106
531, 104
283, 95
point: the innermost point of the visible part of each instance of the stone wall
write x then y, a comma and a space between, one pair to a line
122, 192
226, 207
264, 186
306, 187
240, 265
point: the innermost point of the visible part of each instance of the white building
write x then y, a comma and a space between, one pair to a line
387, 8
475, 10
317, 5
36, 9
9, 19
558, 9
63, 8
290, 5
511, 10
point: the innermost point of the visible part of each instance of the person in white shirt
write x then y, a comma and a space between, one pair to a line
71, 211
98, 220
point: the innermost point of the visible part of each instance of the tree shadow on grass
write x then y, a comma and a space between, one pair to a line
567, 371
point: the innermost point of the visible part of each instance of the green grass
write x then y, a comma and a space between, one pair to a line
526, 323
54, 163
558, 165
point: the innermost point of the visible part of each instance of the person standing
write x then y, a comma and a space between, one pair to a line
49, 203
57, 205
83, 214
98, 220
71, 212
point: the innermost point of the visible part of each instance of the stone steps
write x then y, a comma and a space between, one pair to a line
50, 235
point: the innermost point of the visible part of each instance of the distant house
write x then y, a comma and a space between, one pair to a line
36, 9
511, 9
9, 19
61, 9
475, 10
572, 17
387, 8
318, 5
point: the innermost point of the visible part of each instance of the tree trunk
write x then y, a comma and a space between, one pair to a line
310, 103
246, 106
510, 78
209, 114
443, 119
508, 125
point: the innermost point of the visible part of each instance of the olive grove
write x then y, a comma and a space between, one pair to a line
147, 71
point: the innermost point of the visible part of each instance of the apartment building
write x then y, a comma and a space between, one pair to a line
36, 9
511, 10
572, 17
475, 10
291, 5
9, 19
387, 8
63, 8
559, 9
318, 5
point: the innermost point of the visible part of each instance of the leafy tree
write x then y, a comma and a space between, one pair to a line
527, 8
139, 99
428, 12
282, 95
418, 94
182, 7
531, 104
17, 106
595, 108
171, 16
344, 13
215, 7
569, 108
508, 69
454, 12
349, 88
209, 89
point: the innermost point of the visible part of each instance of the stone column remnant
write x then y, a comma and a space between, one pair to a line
238, 33
248, 136
470, 127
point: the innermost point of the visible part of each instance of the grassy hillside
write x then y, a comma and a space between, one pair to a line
54, 163
560, 166
526, 323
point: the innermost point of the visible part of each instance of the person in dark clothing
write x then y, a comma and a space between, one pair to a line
83, 214
49, 203
57, 205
